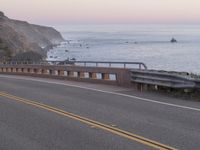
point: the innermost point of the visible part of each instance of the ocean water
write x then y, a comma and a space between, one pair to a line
144, 43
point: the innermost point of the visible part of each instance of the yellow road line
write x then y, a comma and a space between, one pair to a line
90, 122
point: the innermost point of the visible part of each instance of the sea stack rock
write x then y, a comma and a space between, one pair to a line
173, 40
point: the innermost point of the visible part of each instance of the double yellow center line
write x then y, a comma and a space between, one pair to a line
90, 122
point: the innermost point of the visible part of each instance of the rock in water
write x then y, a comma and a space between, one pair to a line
173, 40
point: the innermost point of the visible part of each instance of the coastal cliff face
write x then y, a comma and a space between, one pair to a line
20, 36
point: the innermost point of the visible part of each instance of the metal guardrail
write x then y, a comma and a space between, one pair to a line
111, 64
164, 79
138, 65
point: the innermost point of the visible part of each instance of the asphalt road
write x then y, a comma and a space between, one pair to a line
45, 114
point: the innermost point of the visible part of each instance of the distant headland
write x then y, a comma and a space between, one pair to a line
20, 36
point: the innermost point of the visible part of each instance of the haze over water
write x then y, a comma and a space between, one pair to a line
144, 43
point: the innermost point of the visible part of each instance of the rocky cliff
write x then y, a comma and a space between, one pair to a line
20, 36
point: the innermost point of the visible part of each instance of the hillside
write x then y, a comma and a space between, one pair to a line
20, 36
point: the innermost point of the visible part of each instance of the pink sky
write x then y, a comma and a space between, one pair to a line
103, 11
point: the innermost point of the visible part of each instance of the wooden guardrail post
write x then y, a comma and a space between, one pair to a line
51, 72
39, 71
71, 73
9, 69
31, 70
19, 70
105, 76
92, 75
4, 69
14, 70
25, 70
81, 74
61, 72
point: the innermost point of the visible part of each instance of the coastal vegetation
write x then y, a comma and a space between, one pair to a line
5, 52
28, 57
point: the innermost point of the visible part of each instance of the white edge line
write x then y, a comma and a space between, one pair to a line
102, 91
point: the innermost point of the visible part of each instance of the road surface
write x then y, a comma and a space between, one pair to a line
47, 114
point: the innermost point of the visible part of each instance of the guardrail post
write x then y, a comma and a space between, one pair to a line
25, 70
105, 76
139, 87
4, 69
44, 71
19, 70
9, 70
34, 70
31, 70
140, 67
81, 74
92, 75
70, 73
124, 65
28, 70
39, 71
54, 72
14, 70
61, 72
51, 72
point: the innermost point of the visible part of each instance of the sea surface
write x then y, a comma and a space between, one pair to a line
135, 43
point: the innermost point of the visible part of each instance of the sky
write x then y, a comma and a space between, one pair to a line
102, 11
